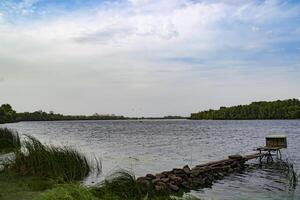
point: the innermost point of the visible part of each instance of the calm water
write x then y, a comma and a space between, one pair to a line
152, 146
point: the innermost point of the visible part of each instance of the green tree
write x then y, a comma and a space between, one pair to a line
7, 114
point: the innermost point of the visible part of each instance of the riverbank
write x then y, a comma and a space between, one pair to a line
31, 170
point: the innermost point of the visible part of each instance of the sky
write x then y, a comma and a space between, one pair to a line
147, 57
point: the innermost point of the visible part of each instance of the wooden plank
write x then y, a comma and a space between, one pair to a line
269, 148
253, 156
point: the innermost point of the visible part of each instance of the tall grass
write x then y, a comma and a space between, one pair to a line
9, 140
38, 159
120, 185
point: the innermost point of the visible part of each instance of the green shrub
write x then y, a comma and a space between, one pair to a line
9, 140
49, 161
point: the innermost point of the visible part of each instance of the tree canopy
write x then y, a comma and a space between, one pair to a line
280, 109
7, 114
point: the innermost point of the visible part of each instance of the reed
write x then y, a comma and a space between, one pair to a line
120, 185
38, 159
9, 140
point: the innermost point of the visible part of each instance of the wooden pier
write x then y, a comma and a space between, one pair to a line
265, 152
205, 174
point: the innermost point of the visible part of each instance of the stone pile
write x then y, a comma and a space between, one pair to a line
198, 177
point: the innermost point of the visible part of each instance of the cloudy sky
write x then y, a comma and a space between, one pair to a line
147, 57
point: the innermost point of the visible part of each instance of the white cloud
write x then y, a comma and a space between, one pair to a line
122, 55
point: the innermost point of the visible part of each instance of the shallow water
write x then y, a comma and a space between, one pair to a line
152, 146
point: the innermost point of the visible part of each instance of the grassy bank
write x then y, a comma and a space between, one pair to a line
34, 171
19, 187
16, 187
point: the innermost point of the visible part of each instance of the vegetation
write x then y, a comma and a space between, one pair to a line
67, 192
43, 116
16, 187
41, 172
7, 114
119, 186
286, 109
9, 140
49, 161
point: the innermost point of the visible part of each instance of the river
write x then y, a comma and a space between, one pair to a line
152, 146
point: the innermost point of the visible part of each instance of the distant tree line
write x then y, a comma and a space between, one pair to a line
8, 115
280, 109
158, 118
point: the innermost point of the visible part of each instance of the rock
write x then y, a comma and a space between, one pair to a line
160, 186
155, 181
221, 175
205, 169
226, 168
183, 176
165, 180
187, 169
208, 181
195, 172
160, 175
175, 178
230, 170
186, 185
167, 173
218, 176
234, 165
173, 187
197, 181
236, 157
209, 178
217, 169
178, 171
151, 176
